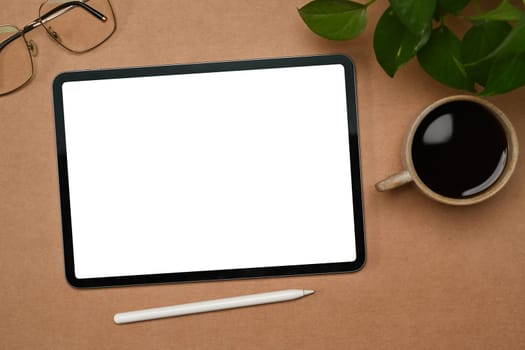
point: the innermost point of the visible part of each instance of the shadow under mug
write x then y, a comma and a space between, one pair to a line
410, 174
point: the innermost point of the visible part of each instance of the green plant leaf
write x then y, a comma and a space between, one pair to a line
479, 42
394, 44
453, 6
507, 73
416, 15
504, 12
335, 19
513, 43
441, 59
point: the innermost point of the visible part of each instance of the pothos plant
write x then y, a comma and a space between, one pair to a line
489, 59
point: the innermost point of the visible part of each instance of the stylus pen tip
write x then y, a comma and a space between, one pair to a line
308, 292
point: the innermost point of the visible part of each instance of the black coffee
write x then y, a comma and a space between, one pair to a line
460, 149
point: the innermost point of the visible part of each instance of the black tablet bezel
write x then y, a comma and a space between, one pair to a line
217, 274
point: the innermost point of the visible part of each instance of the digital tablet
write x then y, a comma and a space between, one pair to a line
209, 171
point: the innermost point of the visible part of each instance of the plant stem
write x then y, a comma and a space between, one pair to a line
478, 6
369, 3
442, 20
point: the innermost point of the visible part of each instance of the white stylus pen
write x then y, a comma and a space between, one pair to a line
210, 305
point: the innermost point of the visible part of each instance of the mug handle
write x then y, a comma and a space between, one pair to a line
394, 181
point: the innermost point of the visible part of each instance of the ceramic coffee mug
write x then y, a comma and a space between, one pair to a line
460, 150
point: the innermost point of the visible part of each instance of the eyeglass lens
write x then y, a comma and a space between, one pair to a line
15, 60
77, 29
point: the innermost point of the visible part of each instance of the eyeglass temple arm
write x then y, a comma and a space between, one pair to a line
57, 11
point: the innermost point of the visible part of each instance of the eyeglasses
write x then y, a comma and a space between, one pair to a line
78, 26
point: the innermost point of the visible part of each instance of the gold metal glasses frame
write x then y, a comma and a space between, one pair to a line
48, 16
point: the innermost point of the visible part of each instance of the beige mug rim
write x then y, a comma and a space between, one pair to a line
512, 157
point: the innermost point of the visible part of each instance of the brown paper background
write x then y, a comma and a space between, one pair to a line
437, 277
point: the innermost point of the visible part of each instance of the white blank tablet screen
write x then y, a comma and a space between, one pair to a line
209, 171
